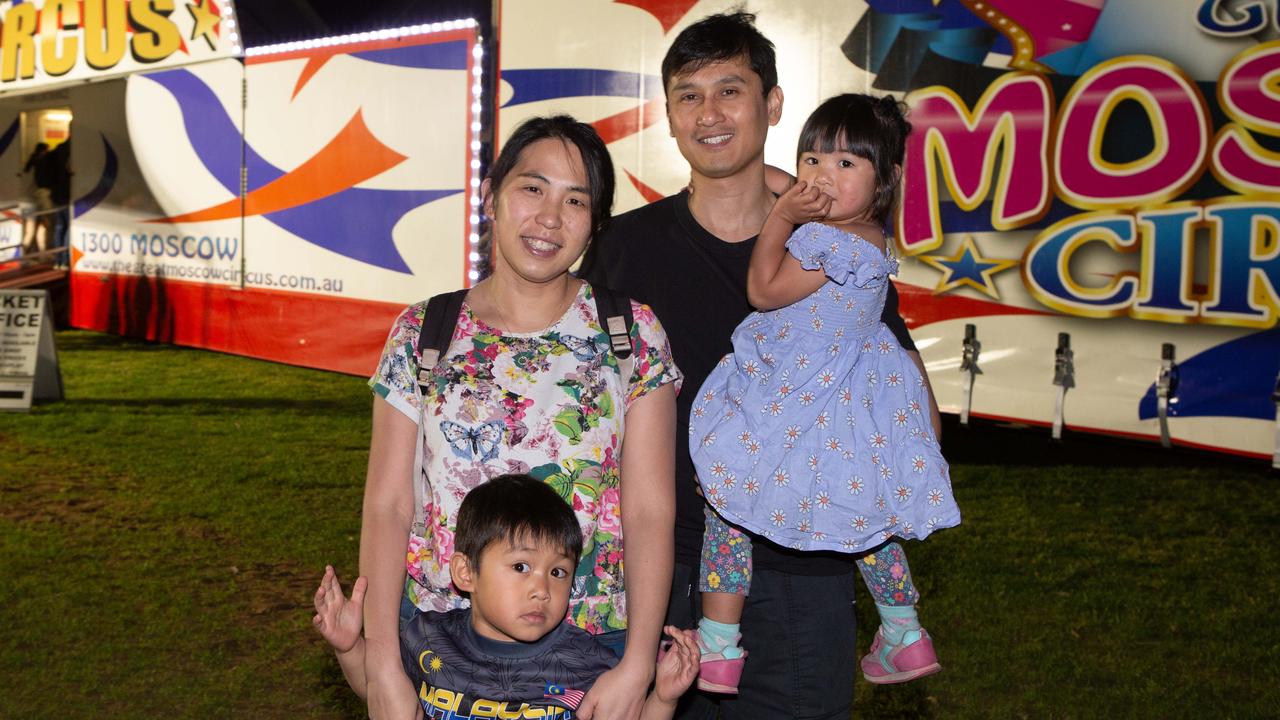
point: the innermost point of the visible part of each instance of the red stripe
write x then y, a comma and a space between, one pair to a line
1122, 434
648, 193
318, 331
919, 306
667, 12
629, 122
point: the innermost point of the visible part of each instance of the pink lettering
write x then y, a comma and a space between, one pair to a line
1174, 108
1011, 119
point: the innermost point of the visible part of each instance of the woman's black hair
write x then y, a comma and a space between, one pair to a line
515, 508
595, 159
866, 126
721, 38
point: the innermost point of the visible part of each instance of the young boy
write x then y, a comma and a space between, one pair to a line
511, 654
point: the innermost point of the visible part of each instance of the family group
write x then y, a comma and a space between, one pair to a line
723, 393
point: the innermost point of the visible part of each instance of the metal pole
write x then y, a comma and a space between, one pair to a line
1064, 378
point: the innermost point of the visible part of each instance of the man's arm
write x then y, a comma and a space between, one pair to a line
892, 317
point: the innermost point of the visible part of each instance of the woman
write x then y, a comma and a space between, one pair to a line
526, 387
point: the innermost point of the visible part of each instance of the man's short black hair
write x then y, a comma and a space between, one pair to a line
514, 508
721, 38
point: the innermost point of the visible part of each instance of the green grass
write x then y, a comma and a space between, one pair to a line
161, 532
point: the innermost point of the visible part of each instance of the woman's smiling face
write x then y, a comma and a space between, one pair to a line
541, 213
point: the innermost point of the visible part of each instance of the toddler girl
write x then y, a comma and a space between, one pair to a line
816, 432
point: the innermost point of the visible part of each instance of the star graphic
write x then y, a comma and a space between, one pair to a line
967, 267
207, 17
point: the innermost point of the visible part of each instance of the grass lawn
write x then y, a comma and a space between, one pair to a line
162, 530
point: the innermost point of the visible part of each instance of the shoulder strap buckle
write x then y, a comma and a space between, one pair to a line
438, 323
614, 313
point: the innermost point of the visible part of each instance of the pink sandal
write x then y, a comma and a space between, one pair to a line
718, 674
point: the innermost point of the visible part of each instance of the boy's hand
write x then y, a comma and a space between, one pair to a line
803, 203
338, 619
678, 668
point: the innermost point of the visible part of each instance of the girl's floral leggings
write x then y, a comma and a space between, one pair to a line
726, 565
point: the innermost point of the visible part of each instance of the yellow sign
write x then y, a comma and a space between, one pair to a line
54, 41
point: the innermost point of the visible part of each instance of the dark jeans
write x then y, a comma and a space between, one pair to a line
798, 631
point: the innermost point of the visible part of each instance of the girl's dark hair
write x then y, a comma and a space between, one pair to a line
869, 127
721, 38
595, 159
514, 508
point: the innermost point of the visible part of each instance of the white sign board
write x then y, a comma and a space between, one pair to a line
28, 356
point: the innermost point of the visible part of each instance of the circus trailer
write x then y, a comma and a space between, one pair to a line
1089, 231
282, 202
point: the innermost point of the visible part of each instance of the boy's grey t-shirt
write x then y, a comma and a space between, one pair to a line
456, 670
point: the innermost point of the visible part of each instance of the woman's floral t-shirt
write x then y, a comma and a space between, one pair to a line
550, 404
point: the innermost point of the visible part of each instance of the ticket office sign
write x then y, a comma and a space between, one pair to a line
49, 42
28, 355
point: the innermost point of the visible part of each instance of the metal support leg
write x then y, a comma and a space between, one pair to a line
1064, 376
1275, 398
969, 365
1166, 388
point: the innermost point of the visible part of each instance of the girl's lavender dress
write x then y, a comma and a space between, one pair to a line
814, 432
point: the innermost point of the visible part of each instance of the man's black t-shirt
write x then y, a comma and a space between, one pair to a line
696, 284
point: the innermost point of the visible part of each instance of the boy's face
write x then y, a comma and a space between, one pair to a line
519, 592
720, 116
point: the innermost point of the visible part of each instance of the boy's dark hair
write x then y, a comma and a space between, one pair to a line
512, 508
721, 38
869, 127
595, 159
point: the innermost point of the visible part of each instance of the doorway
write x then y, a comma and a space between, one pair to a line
46, 184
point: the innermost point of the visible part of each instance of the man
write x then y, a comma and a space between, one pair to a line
687, 256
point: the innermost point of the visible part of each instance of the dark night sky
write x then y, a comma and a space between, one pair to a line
264, 22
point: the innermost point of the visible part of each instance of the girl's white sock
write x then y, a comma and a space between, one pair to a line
718, 637
899, 624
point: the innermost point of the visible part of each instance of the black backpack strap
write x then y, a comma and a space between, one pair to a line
613, 309
438, 323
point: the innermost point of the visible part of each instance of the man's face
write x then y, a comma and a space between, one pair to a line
720, 116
